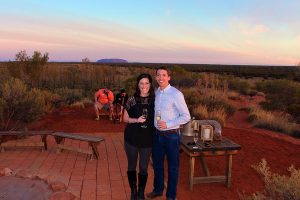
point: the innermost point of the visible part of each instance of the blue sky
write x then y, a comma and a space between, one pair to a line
205, 31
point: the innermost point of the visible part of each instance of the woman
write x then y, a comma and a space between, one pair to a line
138, 133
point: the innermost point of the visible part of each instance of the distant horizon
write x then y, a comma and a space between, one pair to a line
132, 62
249, 32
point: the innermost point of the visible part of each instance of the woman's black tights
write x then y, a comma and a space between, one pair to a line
132, 153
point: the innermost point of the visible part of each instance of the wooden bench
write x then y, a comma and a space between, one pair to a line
93, 142
23, 142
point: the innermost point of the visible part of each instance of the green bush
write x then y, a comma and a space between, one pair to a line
19, 105
70, 96
242, 87
281, 95
52, 101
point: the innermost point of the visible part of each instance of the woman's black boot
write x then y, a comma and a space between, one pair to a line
132, 183
142, 185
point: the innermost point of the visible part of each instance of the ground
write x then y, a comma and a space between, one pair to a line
106, 178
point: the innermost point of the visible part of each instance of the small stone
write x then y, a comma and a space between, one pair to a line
58, 186
23, 174
62, 196
6, 172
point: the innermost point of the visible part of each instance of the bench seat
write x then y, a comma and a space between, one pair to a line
93, 142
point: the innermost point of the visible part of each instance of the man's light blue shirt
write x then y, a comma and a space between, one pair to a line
174, 111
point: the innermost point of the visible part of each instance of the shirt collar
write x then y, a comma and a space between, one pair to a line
164, 90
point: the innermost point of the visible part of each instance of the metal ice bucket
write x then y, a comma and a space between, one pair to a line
188, 128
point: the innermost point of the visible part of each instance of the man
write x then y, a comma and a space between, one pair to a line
104, 98
120, 100
171, 111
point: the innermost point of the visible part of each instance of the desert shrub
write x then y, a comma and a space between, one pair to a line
233, 95
19, 105
182, 78
239, 85
277, 187
218, 115
77, 105
69, 96
252, 93
192, 97
215, 100
52, 101
267, 120
281, 95
212, 99
260, 94
200, 112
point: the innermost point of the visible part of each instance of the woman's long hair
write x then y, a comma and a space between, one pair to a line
137, 89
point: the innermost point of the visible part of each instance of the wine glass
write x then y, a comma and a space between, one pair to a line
196, 129
144, 114
158, 115
196, 137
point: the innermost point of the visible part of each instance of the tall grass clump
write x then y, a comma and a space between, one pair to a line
277, 187
268, 120
208, 104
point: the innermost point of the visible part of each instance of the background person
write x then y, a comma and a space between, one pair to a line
120, 100
139, 133
104, 98
171, 111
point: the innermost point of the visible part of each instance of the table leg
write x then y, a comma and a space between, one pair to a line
204, 165
95, 150
44, 140
192, 168
59, 140
228, 170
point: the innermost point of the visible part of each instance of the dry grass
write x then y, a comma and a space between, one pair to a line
233, 95
267, 120
77, 105
201, 112
277, 187
218, 114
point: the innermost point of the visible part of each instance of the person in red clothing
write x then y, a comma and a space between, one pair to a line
104, 98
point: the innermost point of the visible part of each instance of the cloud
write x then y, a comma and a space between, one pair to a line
249, 29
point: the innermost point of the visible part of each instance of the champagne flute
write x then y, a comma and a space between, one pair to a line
158, 115
144, 114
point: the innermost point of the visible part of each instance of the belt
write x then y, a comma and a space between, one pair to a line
171, 131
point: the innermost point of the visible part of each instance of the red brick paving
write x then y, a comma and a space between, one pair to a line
106, 178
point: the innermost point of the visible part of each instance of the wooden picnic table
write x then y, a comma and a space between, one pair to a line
224, 147
15, 143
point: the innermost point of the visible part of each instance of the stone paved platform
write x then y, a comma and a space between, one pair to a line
105, 178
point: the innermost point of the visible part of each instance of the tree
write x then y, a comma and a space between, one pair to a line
28, 68
86, 60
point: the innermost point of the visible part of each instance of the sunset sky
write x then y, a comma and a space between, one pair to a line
263, 32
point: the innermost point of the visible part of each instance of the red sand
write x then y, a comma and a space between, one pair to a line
279, 150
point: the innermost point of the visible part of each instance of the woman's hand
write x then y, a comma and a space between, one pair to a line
141, 119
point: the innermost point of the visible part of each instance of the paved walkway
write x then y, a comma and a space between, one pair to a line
105, 178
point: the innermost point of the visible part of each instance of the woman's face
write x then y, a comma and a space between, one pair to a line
144, 86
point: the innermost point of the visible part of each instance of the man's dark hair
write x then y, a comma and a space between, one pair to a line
163, 68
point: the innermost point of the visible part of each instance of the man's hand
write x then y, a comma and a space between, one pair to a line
161, 124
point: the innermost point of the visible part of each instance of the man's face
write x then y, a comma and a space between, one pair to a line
162, 78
